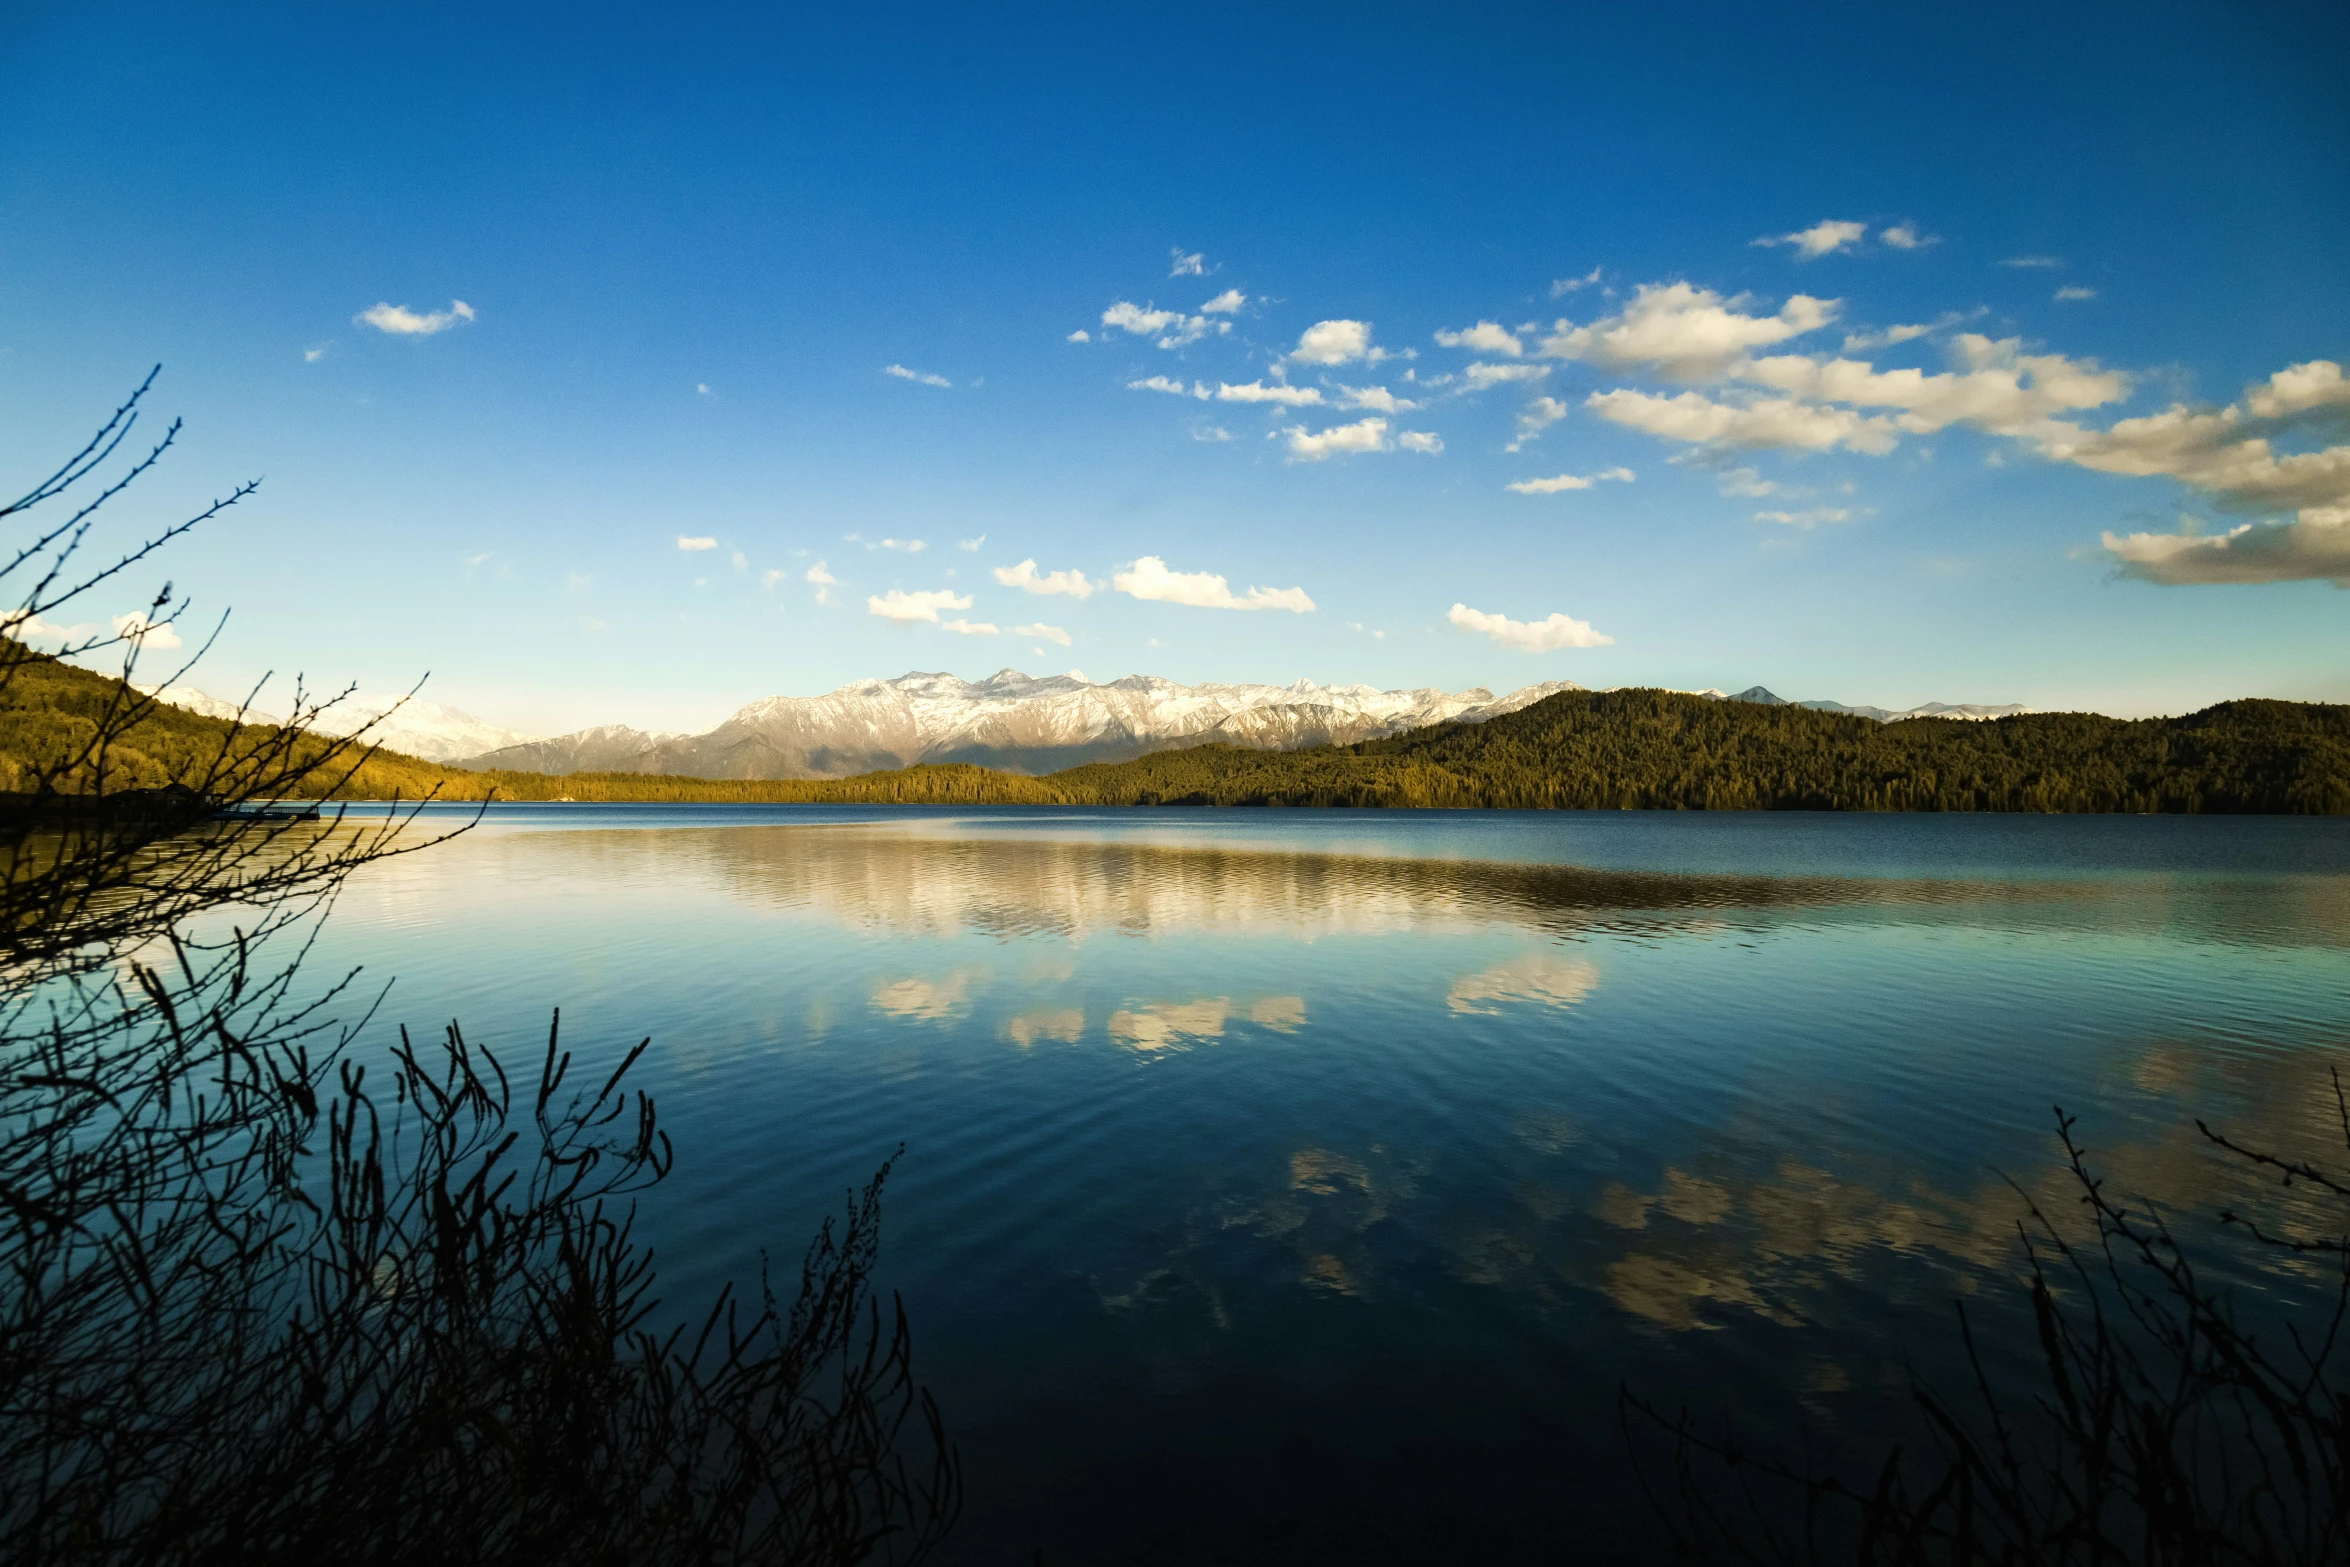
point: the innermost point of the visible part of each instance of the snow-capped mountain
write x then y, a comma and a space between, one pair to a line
1010, 721
414, 727
1974, 710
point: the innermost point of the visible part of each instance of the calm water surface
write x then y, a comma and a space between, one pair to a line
1268, 1169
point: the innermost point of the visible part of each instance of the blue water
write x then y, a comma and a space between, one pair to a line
1271, 1169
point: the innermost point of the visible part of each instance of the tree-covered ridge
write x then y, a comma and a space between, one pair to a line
1578, 750
1642, 749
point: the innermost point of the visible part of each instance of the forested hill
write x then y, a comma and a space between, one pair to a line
1604, 750
1639, 749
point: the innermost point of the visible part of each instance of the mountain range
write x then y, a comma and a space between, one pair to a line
1011, 722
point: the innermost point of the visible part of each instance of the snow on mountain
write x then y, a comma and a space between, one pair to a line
414, 727
1970, 710
1011, 721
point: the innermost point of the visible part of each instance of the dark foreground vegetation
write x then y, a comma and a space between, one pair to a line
274, 1290
2159, 1423
1579, 750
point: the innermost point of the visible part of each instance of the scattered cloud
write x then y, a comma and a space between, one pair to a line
2304, 550
2074, 291
823, 581
400, 321
1028, 579
1225, 304
1426, 442
689, 542
771, 577
1997, 387
1905, 236
1536, 417
1080, 336
905, 546
702, 389
1259, 392
964, 628
1149, 578
1210, 432
740, 561
1042, 633
1376, 398
1172, 328
971, 546
1479, 376
1364, 435
1159, 383
902, 607
311, 356
1893, 336
1560, 288
1805, 519
918, 377
1823, 238
1679, 332
2043, 263
152, 635
1569, 481
1781, 423
1335, 342
1486, 337
1537, 636
1193, 265
1745, 483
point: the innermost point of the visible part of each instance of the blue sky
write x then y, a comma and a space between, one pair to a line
1864, 356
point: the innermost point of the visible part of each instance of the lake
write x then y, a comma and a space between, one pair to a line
1273, 1176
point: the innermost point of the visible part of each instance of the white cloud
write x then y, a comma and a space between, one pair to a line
1172, 328
1999, 388
1538, 636
1765, 423
908, 546
971, 546
771, 577
311, 356
2044, 263
1259, 392
1426, 442
1026, 577
741, 562
1376, 398
1569, 481
2314, 547
1746, 483
823, 581
1211, 432
901, 606
1824, 238
1333, 343
1560, 288
1486, 337
963, 628
1227, 303
1894, 336
2074, 291
1042, 633
687, 541
918, 377
1805, 519
1479, 376
400, 321
1364, 435
1192, 265
1149, 578
1159, 383
1080, 336
1536, 417
2299, 389
1905, 236
702, 389
155, 636
1682, 333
